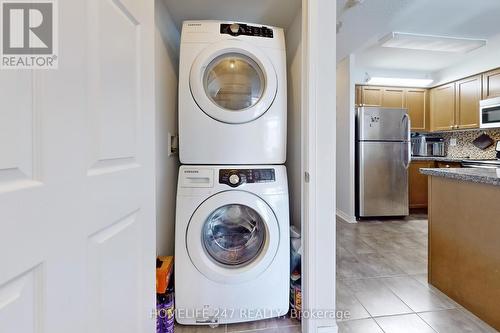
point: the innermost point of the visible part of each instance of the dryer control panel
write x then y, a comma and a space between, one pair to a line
238, 29
236, 177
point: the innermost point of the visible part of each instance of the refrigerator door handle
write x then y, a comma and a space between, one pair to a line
406, 152
406, 127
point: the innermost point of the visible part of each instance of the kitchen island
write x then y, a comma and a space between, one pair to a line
464, 238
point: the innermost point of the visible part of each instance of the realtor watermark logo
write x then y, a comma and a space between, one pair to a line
29, 36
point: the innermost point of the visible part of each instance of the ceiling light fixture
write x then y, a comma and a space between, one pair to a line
399, 82
410, 41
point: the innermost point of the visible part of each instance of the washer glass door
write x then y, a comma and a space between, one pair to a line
234, 235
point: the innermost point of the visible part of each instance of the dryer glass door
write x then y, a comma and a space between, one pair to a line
233, 82
234, 234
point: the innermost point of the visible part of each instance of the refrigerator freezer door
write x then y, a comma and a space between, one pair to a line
383, 179
382, 124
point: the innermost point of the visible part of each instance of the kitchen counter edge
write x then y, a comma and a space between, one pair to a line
474, 175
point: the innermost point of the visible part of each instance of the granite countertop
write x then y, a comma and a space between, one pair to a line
439, 158
474, 175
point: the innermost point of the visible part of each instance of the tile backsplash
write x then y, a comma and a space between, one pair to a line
465, 148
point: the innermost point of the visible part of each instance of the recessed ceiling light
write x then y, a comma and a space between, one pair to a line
431, 43
400, 82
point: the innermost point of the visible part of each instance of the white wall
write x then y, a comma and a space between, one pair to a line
345, 139
481, 60
167, 39
294, 142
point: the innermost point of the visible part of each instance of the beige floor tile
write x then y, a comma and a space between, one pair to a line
252, 325
416, 296
409, 263
378, 265
377, 298
199, 329
288, 329
287, 321
410, 323
422, 279
455, 321
359, 326
346, 301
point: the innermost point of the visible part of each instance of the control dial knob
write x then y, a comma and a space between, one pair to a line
234, 179
235, 28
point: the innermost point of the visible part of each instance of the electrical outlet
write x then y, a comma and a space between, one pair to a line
453, 142
173, 144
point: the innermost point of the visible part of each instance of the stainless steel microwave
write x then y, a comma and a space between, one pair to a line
489, 113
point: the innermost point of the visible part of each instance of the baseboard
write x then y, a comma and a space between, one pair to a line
330, 329
346, 217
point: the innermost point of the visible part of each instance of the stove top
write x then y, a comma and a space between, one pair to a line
495, 163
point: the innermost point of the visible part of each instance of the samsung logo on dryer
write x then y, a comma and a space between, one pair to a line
191, 171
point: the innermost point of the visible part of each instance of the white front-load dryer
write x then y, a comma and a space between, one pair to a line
231, 244
232, 94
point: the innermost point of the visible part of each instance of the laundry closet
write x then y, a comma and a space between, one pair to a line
258, 172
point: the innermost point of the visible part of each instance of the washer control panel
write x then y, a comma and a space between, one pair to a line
237, 177
238, 29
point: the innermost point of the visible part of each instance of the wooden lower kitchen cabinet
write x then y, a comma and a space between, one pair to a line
418, 184
464, 246
447, 165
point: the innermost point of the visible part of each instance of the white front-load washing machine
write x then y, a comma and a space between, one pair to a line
232, 94
231, 244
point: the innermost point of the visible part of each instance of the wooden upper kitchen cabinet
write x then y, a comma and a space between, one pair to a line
491, 84
417, 102
359, 96
417, 184
443, 107
381, 96
415, 99
393, 97
468, 96
371, 96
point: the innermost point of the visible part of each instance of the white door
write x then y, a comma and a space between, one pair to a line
77, 239
233, 82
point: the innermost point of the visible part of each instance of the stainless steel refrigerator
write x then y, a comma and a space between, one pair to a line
383, 154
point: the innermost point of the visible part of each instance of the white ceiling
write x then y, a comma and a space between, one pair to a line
365, 24
278, 13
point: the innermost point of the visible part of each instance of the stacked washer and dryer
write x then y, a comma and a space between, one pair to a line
232, 218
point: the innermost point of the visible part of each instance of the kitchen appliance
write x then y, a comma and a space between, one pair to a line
483, 164
383, 155
232, 94
489, 113
427, 146
232, 244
